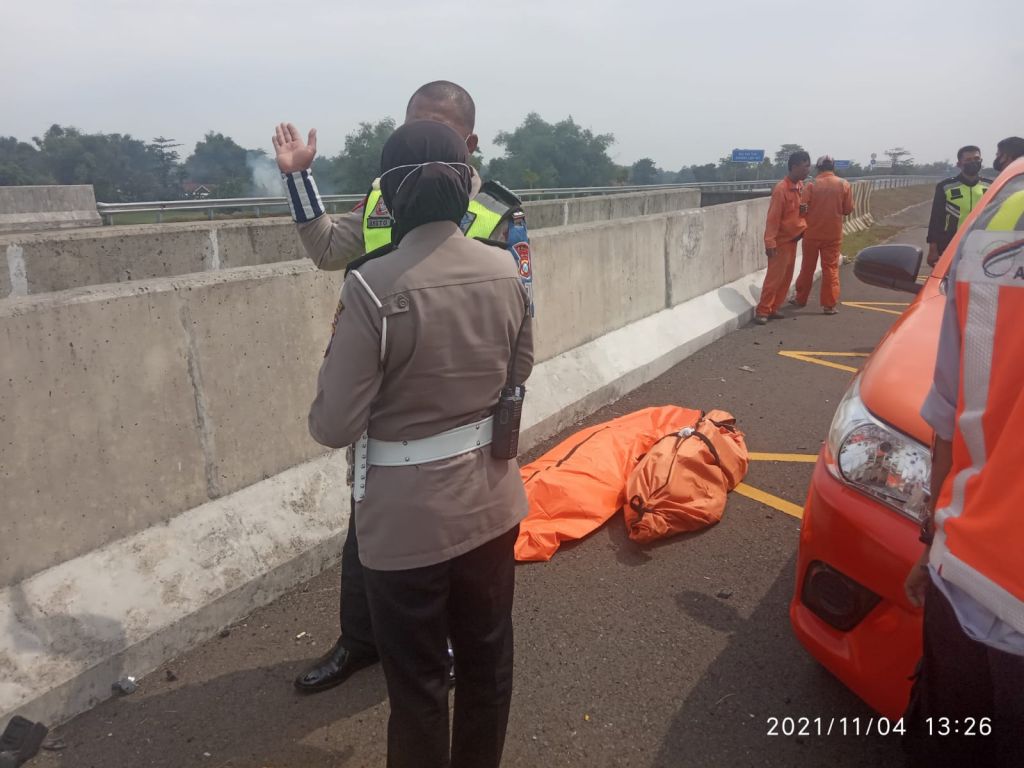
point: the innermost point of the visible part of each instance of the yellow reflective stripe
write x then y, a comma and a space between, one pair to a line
484, 223
1009, 214
374, 237
485, 220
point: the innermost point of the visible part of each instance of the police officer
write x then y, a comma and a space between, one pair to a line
954, 199
493, 212
967, 706
430, 331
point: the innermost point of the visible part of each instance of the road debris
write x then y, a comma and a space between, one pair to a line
54, 744
125, 686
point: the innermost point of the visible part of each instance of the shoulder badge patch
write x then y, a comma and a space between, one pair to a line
380, 216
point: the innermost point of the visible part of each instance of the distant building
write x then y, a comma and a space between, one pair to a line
196, 191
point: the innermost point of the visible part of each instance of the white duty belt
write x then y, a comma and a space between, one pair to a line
382, 453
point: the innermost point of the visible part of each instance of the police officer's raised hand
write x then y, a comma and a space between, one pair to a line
293, 154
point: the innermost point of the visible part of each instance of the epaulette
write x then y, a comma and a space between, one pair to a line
500, 192
384, 250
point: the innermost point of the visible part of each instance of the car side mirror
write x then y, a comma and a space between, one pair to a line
890, 266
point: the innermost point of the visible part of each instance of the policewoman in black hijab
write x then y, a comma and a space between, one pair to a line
424, 375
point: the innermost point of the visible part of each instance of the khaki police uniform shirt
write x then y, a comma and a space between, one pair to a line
333, 243
454, 308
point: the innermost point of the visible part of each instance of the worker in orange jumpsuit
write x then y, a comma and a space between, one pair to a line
826, 200
782, 232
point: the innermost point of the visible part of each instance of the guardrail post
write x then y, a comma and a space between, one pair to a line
159, 217
257, 211
209, 213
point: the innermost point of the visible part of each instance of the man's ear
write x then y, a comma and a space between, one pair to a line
472, 142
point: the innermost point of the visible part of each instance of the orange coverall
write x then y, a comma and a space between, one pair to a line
828, 199
784, 227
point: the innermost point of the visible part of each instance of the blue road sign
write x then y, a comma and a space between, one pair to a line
748, 155
843, 163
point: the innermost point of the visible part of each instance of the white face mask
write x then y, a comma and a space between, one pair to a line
416, 166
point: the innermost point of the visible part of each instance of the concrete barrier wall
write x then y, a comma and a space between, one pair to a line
130, 403
34, 208
57, 261
123, 406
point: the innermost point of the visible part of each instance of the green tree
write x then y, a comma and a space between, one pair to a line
644, 171
21, 163
702, 173
169, 170
219, 162
562, 154
120, 168
901, 159
782, 156
358, 163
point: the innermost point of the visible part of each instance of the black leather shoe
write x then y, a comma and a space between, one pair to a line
333, 668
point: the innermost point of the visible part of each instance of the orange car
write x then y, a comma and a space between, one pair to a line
859, 537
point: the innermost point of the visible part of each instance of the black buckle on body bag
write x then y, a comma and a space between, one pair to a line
508, 413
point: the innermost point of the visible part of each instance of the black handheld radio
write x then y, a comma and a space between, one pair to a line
507, 416
508, 413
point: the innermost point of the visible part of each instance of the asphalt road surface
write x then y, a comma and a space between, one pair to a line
669, 655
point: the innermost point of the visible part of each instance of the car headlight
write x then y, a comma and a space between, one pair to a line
878, 460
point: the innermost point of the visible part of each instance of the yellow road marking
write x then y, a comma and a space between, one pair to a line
804, 458
770, 500
877, 306
815, 357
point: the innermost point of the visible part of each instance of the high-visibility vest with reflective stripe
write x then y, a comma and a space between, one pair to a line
979, 538
483, 216
961, 199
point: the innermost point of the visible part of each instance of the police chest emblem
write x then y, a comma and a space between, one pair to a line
523, 257
956, 194
380, 216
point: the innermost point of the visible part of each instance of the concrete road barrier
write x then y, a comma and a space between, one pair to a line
35, 208
44, 262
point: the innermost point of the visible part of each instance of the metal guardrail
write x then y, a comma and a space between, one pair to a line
259, 205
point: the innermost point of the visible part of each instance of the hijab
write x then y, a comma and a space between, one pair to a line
425, 176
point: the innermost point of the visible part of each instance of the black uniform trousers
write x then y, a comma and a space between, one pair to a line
960, 681
354, 612
469, 599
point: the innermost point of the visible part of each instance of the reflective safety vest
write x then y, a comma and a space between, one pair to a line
979, 532
492, 205
961, 199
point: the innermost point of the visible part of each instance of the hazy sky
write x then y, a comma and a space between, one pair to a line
678, 81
